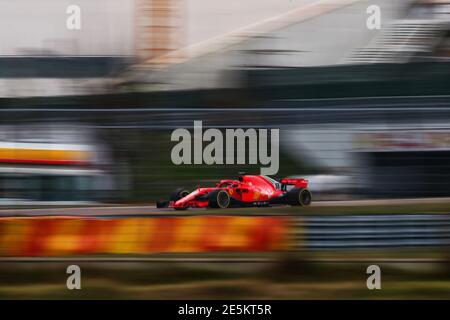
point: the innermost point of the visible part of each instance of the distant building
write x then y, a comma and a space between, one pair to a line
395, 160
49, 162
40, 56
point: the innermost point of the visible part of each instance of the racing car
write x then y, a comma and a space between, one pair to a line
246, 191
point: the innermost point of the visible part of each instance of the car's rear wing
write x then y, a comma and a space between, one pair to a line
297, 182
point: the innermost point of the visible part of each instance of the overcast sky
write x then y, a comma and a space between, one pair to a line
209, 18
108, 25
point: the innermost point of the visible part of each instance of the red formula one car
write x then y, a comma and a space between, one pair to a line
247, 191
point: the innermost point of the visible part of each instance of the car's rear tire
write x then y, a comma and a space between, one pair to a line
178, 194
219, 199
299, 197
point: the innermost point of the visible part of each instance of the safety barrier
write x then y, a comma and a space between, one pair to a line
58, 236
66, 236
372, 231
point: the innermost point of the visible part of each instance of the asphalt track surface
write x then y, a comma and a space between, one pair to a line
151, 210
213, 260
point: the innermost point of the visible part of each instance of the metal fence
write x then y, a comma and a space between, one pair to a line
364, 231
49, 236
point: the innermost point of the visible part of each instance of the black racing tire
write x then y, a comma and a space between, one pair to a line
299, 197
178, 194
219, 199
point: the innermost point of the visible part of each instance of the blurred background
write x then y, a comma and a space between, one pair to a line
87, 114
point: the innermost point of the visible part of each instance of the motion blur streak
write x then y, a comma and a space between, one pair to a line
65, 236
86, 116
72, 235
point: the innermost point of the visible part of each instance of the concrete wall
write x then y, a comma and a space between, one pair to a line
323, 39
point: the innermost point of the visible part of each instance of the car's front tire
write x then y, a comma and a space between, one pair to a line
219, 199
178, 194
